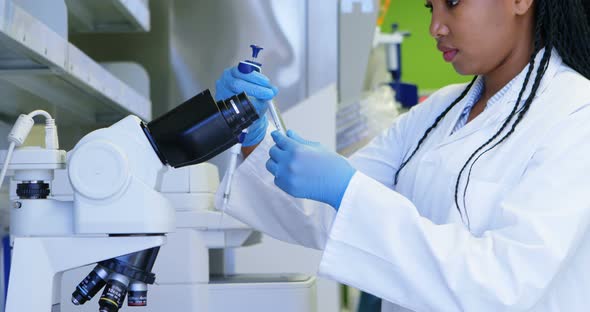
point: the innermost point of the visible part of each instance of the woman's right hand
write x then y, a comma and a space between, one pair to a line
259, 90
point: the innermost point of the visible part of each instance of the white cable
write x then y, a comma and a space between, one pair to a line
6, 162
40, 112
51, 139
20, 131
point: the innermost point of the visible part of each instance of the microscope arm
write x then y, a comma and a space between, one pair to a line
114, 173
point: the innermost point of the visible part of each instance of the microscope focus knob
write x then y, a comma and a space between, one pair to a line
98, 169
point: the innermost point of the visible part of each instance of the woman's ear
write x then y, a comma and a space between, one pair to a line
522, 7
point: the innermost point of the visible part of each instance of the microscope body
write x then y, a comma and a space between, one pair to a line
115, 214
196, 267
115, 210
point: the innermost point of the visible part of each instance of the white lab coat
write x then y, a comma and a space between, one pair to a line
528, 203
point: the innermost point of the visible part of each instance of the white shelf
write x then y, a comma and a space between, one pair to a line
40, 69
108, 15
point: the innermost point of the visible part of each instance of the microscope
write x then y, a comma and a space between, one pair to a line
117, 217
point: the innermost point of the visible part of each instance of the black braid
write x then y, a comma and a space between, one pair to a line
541, 11
427, 132
540, 72
508, 120
571, 31
558, 25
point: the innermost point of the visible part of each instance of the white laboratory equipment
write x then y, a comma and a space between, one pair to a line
115, 211
66, 80
187, 279
113, 199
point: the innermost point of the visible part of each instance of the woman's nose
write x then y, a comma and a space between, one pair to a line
438, 27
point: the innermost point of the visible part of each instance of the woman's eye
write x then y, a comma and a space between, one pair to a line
452, 3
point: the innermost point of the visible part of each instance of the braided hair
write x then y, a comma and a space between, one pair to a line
559, 24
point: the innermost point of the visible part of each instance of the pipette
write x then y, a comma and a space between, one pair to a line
249, 66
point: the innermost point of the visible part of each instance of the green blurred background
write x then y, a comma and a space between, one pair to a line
422, 63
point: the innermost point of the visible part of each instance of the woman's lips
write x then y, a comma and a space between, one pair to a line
448, 51
449, 55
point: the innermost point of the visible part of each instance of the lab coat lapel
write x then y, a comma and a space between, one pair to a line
441, 164
487, 119
495, 116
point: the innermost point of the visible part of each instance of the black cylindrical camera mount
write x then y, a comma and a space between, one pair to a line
200, 128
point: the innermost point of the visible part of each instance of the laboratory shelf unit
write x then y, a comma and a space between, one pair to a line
41, 69
108, 15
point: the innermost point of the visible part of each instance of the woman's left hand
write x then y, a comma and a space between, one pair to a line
306, 169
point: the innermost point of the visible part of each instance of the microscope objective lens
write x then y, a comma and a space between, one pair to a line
137, 296
90, 286
114, 293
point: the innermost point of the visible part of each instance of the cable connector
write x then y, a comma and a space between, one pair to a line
23, 125
21, 129
51, 139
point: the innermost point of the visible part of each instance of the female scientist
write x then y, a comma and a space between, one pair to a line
476, 200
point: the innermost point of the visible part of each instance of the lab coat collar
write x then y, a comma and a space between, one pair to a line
498, 113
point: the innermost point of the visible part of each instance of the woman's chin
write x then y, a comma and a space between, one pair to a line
464, 70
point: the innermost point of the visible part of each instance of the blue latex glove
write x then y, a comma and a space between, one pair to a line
259, 90
306, 169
